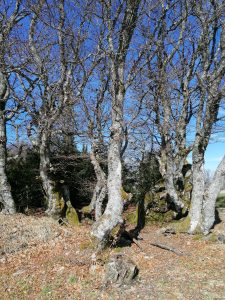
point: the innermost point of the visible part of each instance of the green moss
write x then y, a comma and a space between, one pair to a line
182, 225
220, 201
115, 230
132, 217
86, 209
125, 196
153, 217
117, 250
71, 215
213, 237
168, 216
160, 185
162, 205
198, 237
187, 185
87, 245
60, 203
149, 198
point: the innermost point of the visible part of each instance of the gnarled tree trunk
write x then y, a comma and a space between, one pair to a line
48, 184
167, 171
113, 213
100, 188
117, 54
198, 190
210, 197
5, 190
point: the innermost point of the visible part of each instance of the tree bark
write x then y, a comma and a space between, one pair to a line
195, 213
117, 54
48, 184
113, 213
100, 188
5, 190
167, 170
211, 196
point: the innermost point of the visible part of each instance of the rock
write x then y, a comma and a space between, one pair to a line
169, 231
132, 216
120, 270
71, 214
160, 186
221, 238
126, 196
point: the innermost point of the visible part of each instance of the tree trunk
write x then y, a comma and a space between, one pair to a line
167, 171
113, 213
170, 187
100, 188
5, 190
198, 189
48, 184
210, 197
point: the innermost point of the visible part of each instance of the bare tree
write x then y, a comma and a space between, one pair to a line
53, 91
168, 72
210, 84
210, 197
96, 130
121, 22
9, 18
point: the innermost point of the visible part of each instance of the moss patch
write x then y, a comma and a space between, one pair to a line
157, 217
220, 201
71, 215
60, 203
182, 225
132, 217
87, 245
125, 196
86, 209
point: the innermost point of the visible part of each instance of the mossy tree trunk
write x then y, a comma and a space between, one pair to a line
100, 190
167, 170
198, 190
48, 184
117, 54
9, 19
210, 197
5, 191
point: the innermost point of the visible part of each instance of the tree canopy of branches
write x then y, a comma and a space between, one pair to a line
128, 79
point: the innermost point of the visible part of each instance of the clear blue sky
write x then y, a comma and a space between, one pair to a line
214, 154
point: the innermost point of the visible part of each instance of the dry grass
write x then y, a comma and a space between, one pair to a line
56, 263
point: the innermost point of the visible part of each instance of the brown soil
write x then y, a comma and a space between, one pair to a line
43, 260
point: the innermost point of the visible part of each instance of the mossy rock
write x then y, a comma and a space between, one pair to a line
160, 186
157, 217
87, 245
71, 215
168, 216
115, 231
125, 196
86, 209
60, 203
187, 185
182, 225
162, 206
132, 217
149, 199
153, 217
162, 195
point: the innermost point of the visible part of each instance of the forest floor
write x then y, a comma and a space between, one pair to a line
40, 259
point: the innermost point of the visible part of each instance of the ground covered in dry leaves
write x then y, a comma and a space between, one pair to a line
40, 259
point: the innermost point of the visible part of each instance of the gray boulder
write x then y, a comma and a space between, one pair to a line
120, 270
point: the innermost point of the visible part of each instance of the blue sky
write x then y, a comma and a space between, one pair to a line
214, 154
